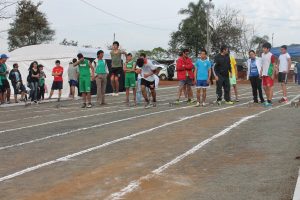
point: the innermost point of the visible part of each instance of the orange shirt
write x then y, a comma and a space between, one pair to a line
58, 69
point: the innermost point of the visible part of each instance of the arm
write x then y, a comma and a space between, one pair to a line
289, 64
179, 65
273, 61
195, 74
209, 76
93, 70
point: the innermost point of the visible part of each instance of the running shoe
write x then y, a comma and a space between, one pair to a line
237, 100
147, 105
89, 105
283, 100
83, 105
177, 102
198, 104
229, 103
267, 104
204, 104
154, 104
116, 94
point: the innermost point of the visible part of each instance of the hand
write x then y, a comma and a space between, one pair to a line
216, 78
93, 78
208, 81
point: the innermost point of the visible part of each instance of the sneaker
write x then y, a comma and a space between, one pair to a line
229, 103
281, 100
113, 94
204, 104
147, 105
89, 105
193, 100
83, 105
237, 100
154, 104
116, 94
285, 100
266, 104
198, 104
177, 102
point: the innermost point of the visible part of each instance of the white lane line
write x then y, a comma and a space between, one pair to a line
80, 129
66, 158
297, 189
134, 185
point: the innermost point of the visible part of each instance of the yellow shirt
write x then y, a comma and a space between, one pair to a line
233, 64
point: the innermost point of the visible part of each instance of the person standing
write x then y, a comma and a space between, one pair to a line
73, 77
85, 67
41, 94
222, 72
148, 81
101, 71
34, 76
116, 68
253, 74
267, 72
185, 75
57, 73
233, 78
202, 77
16, 80
3, 78
130, 82
284, 66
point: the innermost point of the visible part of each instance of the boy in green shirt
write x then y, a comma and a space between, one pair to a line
130, 82
85, 68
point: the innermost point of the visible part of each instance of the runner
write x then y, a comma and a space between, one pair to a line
73, 78
185, 75
202, 77
233, 78
130, 82
284, 66
57, 73
101, 77
253, 73
222, 72
34, 76
148, 81
3, 78
41, 94
85, 68
116, 68
267, 71
16, 80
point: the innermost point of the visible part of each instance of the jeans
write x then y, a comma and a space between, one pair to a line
34, 90
256, 84
139, 92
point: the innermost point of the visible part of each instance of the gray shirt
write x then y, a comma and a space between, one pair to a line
148, 69
72, 72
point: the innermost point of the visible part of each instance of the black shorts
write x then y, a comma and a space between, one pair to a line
116, 71
5, 85
282, 77
18, 88
57, 85
148, 84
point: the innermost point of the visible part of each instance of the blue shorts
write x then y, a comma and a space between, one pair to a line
202, 84
73, 83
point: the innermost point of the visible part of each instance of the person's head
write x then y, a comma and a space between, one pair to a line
116, 45
15, 66
203, 54
57, 63
224, 50
283, 49
143, 55
74, 60
185, 53
34, 64
80, 57
3, 58
266, 47
252, 54
100, 54
140, 62
129, 57
40, 67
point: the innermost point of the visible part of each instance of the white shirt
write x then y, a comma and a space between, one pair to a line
147, 69
266, 63
284, 62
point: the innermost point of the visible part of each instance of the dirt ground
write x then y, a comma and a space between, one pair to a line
58, 151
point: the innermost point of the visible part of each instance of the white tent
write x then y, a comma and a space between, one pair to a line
47, 54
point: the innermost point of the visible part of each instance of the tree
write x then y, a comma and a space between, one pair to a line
159, 53
258, 42
192, 31
69, 43
227, 29
30, 27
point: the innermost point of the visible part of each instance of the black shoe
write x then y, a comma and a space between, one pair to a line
83, 105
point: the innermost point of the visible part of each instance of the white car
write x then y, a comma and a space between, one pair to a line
168, 73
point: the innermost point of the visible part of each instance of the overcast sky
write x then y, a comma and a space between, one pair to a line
74, 20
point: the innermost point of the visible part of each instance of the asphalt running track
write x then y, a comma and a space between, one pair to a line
60, 151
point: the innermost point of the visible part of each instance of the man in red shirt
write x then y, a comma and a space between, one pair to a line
185, 75
57, 73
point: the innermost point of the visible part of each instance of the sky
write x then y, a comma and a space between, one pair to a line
75, 20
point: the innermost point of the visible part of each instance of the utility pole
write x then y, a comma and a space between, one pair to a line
114, 37
209, 6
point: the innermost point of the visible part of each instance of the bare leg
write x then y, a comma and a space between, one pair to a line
51, 94
198, 95
134, 95
112, 80
117, 84
127, 95
84, 97
89, 97
204, 95
59, 94
283, 85
144, 93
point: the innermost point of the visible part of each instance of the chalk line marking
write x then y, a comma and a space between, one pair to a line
297, 189
134, 185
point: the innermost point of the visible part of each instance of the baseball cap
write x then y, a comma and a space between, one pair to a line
4, 56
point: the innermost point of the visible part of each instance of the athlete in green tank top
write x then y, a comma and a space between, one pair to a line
130, 81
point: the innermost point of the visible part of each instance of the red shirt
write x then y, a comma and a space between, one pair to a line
58, 69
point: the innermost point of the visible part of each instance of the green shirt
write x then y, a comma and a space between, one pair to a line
100, 68
3, 69
116, 60
84, 69
130, 65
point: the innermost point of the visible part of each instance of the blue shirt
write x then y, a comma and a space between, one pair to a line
202, 67
253, 68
